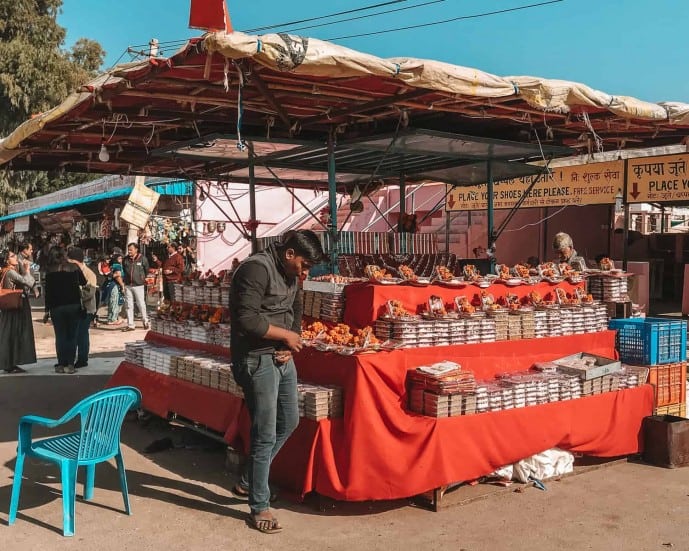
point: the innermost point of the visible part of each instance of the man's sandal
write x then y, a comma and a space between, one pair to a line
265, 525
240, 493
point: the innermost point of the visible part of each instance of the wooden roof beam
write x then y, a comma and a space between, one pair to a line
265, 91
363, 107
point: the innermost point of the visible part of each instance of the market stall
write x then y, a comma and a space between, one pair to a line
381, 450
362, 436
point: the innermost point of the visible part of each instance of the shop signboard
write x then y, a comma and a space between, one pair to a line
589, 184
140, 205
21, 224
660, 179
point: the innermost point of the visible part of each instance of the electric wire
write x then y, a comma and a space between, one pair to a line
443, 21
348, 19
181, 42
299, 21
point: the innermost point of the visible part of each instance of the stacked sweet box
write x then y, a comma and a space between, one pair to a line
528, 321
443, 332
554, 322
501, 319
458, 332
566, 321
425, 333
134, 351
438, 390
224, 295
514, 326
488, 329
320, 402
332, 306
472, 328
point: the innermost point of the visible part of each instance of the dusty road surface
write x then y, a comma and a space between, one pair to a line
180, 498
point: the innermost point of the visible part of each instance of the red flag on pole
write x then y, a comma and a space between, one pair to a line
210, 15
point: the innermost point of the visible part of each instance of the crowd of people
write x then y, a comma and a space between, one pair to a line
74, 288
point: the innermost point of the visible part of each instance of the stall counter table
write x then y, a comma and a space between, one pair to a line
380, 450
366, 302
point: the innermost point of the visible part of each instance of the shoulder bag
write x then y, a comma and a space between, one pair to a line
10, 299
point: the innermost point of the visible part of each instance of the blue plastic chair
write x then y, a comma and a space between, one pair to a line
98, 440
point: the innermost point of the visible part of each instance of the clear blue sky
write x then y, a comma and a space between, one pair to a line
625, 47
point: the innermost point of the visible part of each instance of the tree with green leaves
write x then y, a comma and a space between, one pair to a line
37, 73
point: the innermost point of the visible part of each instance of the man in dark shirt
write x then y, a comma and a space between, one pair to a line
266, 309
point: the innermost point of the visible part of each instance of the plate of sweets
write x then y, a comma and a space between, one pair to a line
563, 299
506, 277
513, 303
436, 307
569, 273
488, 303
471, 273
606, 264
406, 273
465, 309
380, 275
408, 276
396, 310
522, 270
583, 296
550, 272
503, 271
445, 276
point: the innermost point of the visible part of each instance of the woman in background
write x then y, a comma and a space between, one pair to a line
63, 297
16, 329
113, 290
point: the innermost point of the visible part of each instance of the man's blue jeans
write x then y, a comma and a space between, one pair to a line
83, 339
270, 391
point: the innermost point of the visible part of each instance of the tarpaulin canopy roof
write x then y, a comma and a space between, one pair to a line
290, 87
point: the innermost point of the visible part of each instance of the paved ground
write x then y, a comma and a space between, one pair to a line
180, 499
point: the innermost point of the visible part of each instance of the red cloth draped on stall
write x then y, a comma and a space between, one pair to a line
382, 451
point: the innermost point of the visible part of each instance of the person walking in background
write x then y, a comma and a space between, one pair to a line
88, 306
135, 269
189, 257
43, 260
63, 297
173, 270
266, 311
24, 263
16, 329
112, 292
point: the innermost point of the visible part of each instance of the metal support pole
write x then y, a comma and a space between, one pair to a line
403, 212
625, 229
447, 231
662, 219
252, 203
332, 202
490, 216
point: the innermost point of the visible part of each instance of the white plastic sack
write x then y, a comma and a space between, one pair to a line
505, 472
547, 464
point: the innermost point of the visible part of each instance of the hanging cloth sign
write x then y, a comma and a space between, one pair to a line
140, 205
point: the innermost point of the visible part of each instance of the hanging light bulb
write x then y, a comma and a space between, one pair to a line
103, 154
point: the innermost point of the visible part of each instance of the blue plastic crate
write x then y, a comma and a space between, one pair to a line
650, 341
